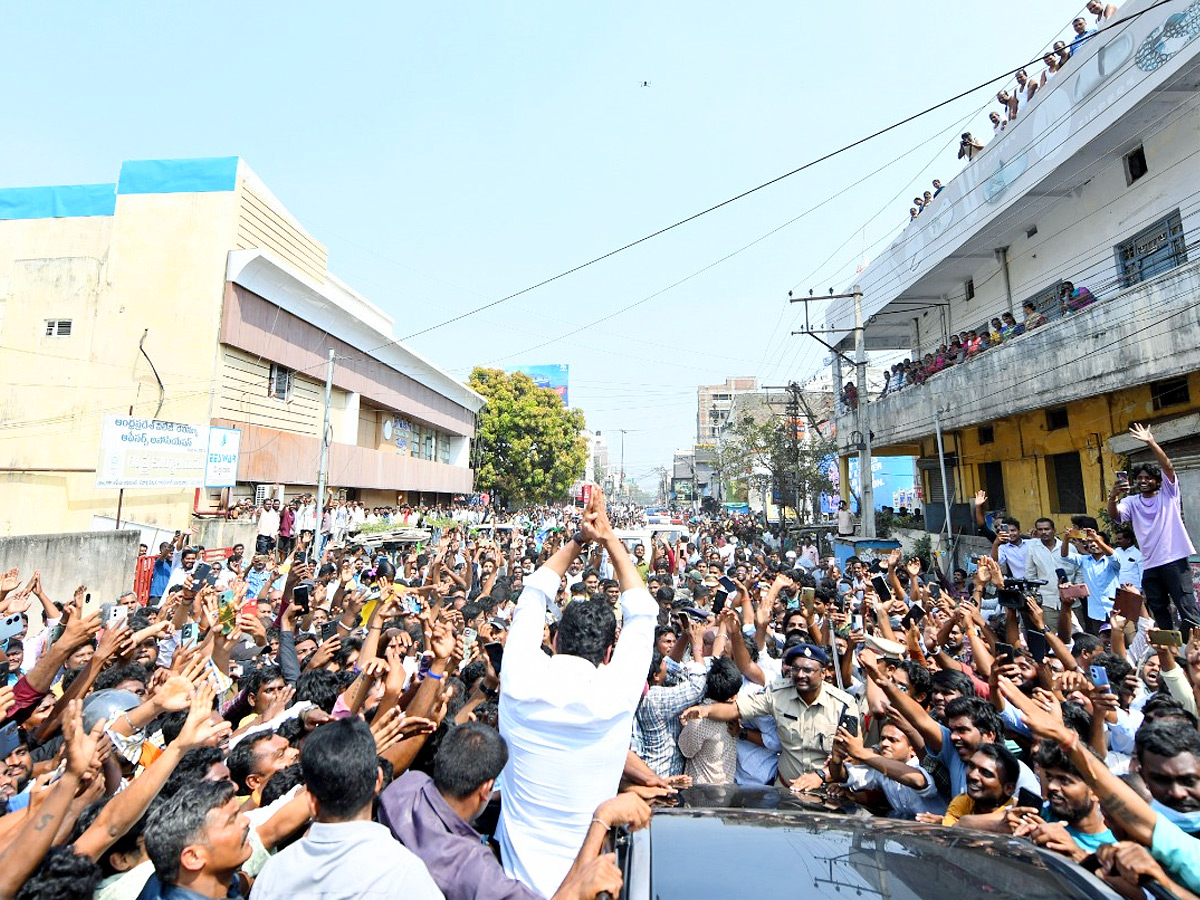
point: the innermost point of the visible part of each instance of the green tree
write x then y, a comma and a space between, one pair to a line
798, 470
531, 447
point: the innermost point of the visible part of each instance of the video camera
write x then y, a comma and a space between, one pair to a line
1015, 590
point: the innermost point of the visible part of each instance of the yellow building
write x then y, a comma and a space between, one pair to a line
1092, 183
186, 292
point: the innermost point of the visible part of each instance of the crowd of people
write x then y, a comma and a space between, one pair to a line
967, 345
470, 719
1014, 97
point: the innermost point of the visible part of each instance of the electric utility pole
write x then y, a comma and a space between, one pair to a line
322, 473
866, 475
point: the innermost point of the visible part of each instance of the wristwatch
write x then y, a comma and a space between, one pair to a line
578, 538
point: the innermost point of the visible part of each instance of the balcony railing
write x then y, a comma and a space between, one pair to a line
1138, 335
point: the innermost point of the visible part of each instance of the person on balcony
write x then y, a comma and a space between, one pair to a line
969, 147
1010, 327
1082, 33
1101, 11
996, 332
1051, 61
1026, 86
998, 122
1074, 299
1033, 318
1010, 102
850, 395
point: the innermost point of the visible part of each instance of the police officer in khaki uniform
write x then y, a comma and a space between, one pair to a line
806, 709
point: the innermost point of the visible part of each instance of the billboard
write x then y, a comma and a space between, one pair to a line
150, 453
552, 376
894, 479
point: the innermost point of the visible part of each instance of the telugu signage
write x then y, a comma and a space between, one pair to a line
149, 453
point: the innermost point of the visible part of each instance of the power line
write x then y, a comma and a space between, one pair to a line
773, 181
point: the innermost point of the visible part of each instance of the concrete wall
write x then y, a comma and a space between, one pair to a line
158, 261
1144, 334
1076, 234
102, 560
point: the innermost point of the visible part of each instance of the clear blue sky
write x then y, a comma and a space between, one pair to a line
448, 154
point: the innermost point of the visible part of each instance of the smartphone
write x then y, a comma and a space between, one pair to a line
1165, 638
10, 626
1099, 676
300, 595
88, 606
808, 596
1128, 604
328, 630
728, 584
226, 613
117, 616
1062, 575
881, 587
495, 652
935, 590
1004, 653
1036, 641
1122, 476
719, 599
203, 574
849, 721
1026, 797
189, 634
856, 623
470, 636
913, 617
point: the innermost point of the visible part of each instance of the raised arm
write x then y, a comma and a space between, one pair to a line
1143, 434
929, 729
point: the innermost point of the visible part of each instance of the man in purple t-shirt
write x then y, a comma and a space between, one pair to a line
1157, 519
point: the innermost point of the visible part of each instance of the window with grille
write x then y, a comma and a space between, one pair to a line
991, 477
1172, 392
1046, 300
58, 328
1152, 251
280, 384
1064, 476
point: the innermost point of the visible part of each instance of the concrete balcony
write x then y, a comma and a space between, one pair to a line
1145, 333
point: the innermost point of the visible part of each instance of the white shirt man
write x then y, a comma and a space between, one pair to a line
567, 723
268, 521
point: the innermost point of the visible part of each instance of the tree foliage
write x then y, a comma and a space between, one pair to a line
764, 455
531, 447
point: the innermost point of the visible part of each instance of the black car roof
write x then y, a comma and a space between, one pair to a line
767, 842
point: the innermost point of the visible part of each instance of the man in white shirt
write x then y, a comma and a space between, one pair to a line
568, 718
268, 526
1042, 560
344, 854
1130, 557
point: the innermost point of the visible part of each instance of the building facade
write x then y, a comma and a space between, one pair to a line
186, 292
1093, 183
714, 403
